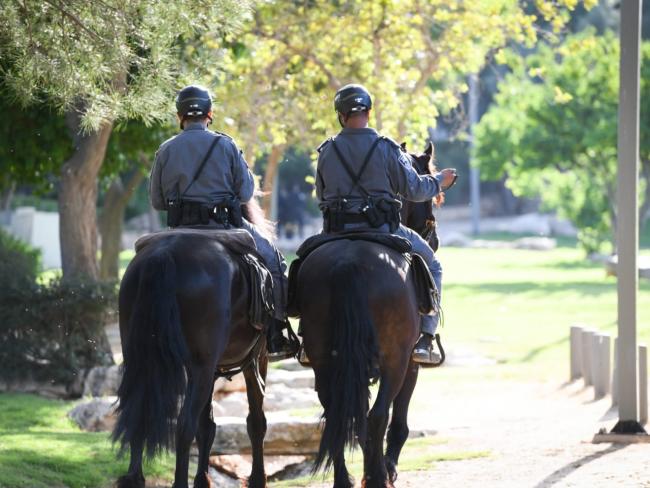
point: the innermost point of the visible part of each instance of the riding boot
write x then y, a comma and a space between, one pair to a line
278, 346
423, 351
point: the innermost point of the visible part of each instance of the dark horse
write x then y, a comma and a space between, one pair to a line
419, 215
183, 307
360, 321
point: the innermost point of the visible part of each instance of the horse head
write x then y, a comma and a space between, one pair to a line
419, 215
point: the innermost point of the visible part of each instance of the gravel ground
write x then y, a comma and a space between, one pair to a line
539, 435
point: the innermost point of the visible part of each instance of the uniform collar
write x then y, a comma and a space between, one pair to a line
195, 126
363, 131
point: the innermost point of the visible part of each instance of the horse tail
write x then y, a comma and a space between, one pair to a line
155, 355
254, 213
345, 390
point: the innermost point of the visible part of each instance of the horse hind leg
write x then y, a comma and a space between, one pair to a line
134, 478
205, 438
255, 375
199, 388
398, 430
342, 478
374, 466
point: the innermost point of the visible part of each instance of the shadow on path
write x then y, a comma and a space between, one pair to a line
559, 474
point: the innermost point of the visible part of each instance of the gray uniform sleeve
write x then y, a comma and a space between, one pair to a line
319, 181
244, 182
407, 182
320, 185
156, 196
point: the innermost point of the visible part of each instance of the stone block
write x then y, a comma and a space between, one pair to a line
95, 415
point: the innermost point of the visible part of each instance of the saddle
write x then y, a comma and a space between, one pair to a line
426, 291
240, 243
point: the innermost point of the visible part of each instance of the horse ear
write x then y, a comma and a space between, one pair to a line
429, 149
403, 146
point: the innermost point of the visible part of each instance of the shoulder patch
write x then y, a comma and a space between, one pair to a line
323, 144
222, 134
391, 142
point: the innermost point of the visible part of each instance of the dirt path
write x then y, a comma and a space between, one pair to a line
539, 435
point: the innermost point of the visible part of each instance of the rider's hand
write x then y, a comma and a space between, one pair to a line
448, 178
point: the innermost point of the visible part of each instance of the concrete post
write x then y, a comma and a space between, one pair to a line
615, 375
643, 384
587, 360
627, 232
575, 352
601, 365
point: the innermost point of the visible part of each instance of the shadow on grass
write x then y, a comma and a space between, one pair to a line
584, 288
533, 353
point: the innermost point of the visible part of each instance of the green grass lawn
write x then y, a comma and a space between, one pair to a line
41, 447
516, 306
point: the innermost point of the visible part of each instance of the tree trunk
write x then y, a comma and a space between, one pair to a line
78, 200
111, 221
277, 151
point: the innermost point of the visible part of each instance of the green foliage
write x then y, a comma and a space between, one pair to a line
413, 56
41, 448
34, 142
109, 60
47, 332
553, 131
19, 263
132, 147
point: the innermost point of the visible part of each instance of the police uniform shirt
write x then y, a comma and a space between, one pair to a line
224, 176
389, 172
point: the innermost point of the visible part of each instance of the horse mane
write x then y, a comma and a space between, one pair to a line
253, 212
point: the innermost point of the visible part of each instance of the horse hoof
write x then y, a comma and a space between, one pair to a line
255, 482
130, 481
203, 481
369, 484
392, 471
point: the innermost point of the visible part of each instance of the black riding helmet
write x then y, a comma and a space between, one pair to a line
193, 101
352, 98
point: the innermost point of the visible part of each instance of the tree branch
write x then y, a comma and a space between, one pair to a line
75, 20
332, 80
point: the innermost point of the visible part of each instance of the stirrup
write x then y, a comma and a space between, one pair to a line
288, 347
427, 357
302, 357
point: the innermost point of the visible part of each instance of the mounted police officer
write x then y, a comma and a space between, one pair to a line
359, 179
200, 178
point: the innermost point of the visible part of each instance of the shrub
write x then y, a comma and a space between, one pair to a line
50, 332
19, 263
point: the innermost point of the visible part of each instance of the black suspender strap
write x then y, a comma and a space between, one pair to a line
202, 165
356, 178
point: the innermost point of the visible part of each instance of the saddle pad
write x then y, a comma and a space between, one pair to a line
238, 241
392, 241
241, 243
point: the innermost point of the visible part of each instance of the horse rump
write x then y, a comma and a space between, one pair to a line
155, 354
354, 358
